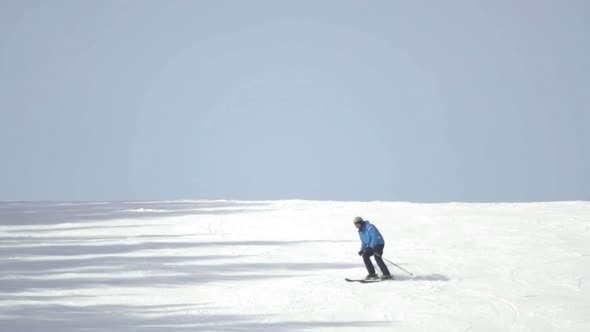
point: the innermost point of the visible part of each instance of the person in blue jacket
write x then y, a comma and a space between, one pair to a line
372, 244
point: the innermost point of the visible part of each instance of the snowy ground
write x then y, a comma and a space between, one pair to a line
280, 266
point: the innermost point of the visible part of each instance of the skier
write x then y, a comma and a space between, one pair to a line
372, 244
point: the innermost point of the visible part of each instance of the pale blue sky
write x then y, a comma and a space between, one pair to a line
335, 100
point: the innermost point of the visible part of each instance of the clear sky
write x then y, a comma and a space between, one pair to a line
336, 100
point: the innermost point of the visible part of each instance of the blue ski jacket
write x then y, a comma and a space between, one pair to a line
370, 236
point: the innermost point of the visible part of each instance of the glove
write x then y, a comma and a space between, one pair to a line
361, 253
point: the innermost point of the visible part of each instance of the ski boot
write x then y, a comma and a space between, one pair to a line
372, 277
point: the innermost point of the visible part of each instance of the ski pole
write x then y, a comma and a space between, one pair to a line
401, 268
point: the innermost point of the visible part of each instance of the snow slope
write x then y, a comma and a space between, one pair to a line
280, 265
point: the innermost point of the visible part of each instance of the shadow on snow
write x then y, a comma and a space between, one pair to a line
176, 318
35, 264
429, 277
52, 213
76, 266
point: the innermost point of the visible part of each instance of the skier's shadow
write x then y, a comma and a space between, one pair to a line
429, 277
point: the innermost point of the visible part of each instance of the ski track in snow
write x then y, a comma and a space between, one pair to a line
280, 265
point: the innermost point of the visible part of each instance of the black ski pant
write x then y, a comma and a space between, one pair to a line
367, 259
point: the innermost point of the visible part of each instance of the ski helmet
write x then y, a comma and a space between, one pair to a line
358, 220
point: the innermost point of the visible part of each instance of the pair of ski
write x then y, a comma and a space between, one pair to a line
366, 281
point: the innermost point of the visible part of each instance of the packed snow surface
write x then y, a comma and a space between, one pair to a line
280, 266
